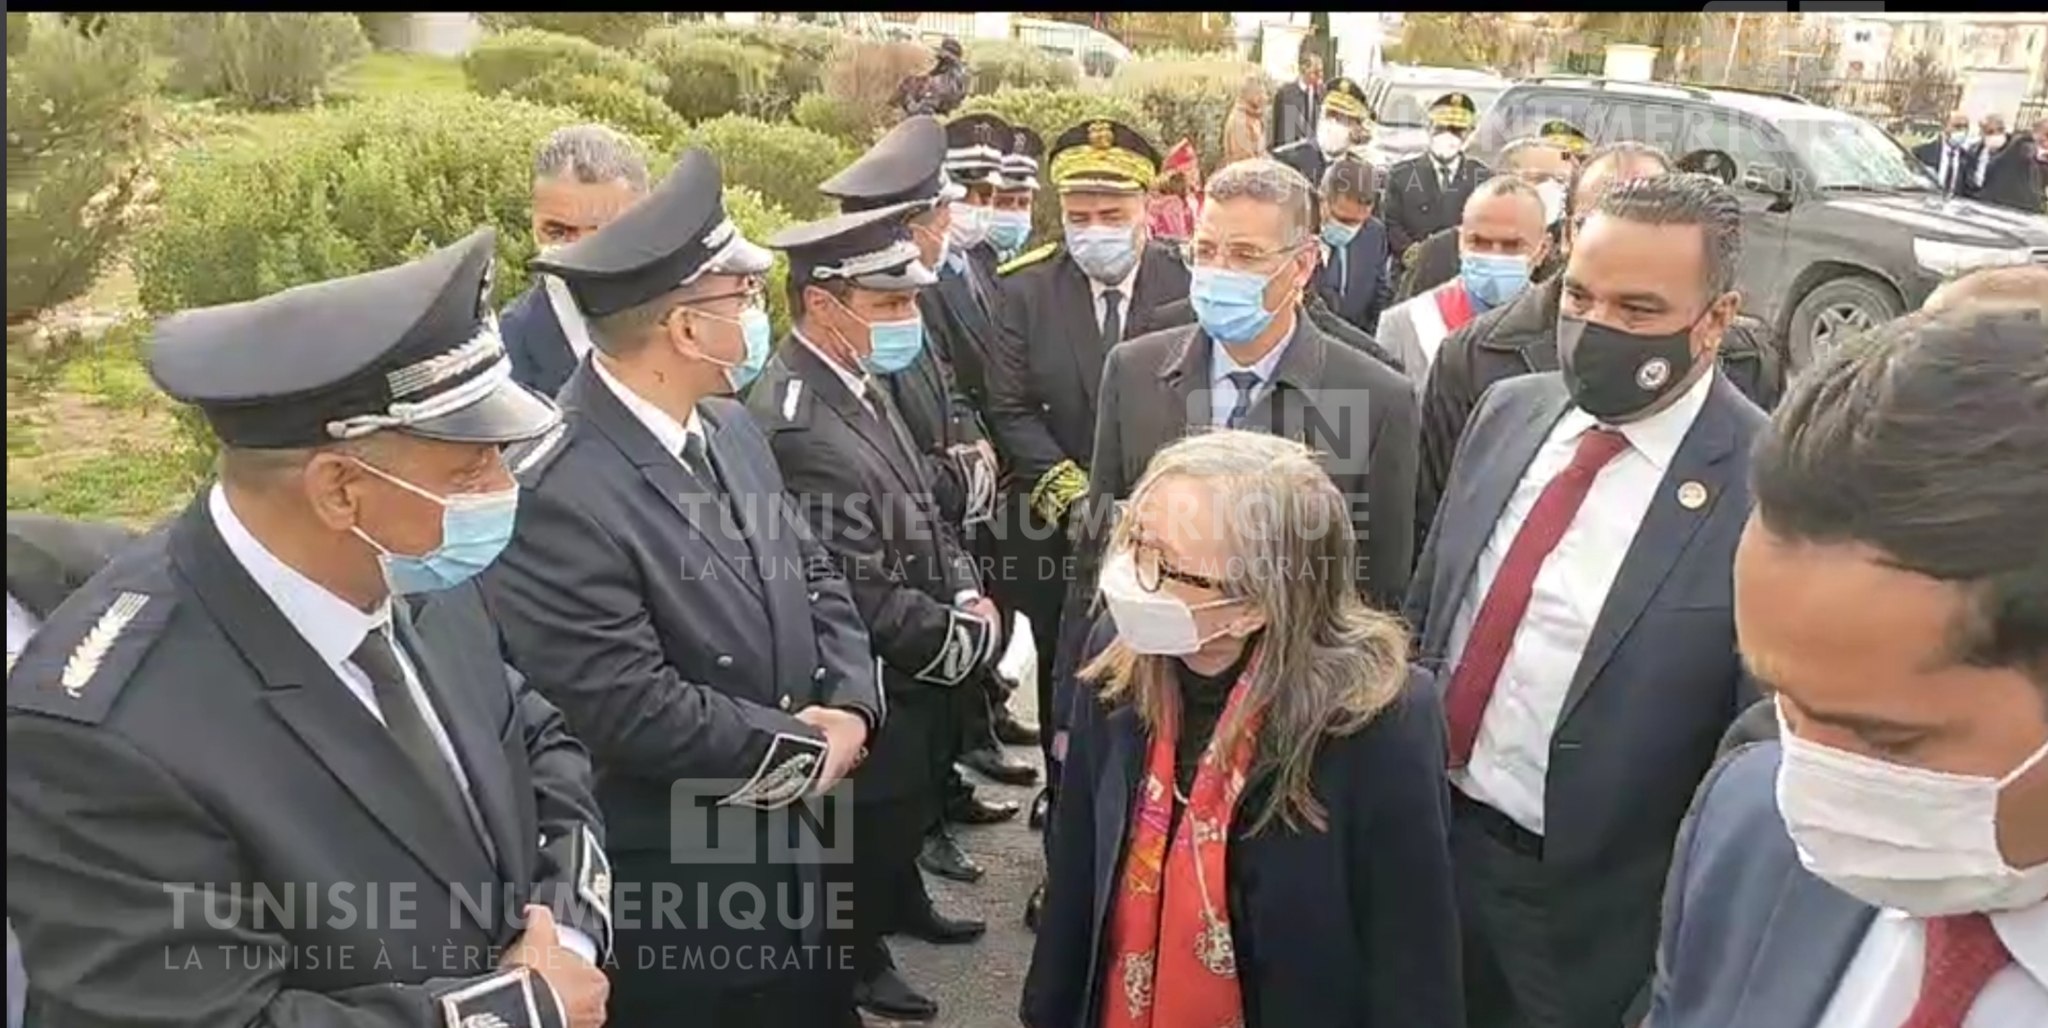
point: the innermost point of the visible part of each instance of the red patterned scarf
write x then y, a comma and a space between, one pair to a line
1172, 961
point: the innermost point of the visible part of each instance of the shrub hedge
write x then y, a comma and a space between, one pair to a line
993, 64
757, 219
835, 117
78, 126
609, 101
342, 191
1186, 97
502, 62
260, 60
800, 53
611, 28
862, 77
784, 163
708, 77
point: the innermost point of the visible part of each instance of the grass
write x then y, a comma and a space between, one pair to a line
394, 74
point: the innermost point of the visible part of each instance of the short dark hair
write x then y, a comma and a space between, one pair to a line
1612, 153
1927, 440
838, 288
1685, 199
1353, 176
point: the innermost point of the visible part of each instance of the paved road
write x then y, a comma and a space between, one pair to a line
977, 985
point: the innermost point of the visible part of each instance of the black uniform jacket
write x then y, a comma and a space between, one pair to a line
168, 730
960, 326
1049, 354
534, 340
1354, 926
869, 501
676, 642
48, 558
1417, 206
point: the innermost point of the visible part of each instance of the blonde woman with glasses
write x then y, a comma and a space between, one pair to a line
1253, 820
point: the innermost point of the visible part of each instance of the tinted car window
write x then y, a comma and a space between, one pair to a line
1522, 114
1738, 138
1656, 124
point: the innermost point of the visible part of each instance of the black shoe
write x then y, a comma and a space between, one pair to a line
997, 766
942, 856
887, 995
1013, 732
930, 926
1041, 807
1033, 907
973, 810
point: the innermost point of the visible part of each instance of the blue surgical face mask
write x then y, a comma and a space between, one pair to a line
1231, 305
754, 330
474, 529
1106, 253
1493, 279
1008, 231
1959, 137
1338, 234
893, 345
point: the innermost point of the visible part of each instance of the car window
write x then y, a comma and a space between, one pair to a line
1522, 114
1739, 139
1659, 125
1851, 153
1407, 105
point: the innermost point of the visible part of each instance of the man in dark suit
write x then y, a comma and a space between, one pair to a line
1885, 862
1521, 337
2005, 172
672, 601
1947, 156
1342, 126
850, 462
234, 711
1295, 103
583, 177
1353, 278
1062, 307
1576, 591
1426, 193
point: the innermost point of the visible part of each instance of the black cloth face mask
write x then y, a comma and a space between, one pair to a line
1614, 374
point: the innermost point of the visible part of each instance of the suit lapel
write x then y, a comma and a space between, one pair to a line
776, 575
304, 693
867, 428
1813, 933
470, 725
1074, 300
1479, 502
1666, 531
662, 470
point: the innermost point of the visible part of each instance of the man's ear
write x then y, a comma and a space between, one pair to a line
333, 485
1721, 317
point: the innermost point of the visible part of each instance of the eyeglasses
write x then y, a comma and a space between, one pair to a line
1149, 561
752, 296
1203, 253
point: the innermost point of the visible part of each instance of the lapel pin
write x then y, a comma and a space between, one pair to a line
1692, 495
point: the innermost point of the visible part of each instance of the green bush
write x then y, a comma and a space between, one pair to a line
1050, 112
503, 62
606, 100
261, 60
708, 77
994, 64
800, 52
840, 119
338, 192
1186, 98
386, 30
615, 29
784, 163
79, 120
757, 219
17, 31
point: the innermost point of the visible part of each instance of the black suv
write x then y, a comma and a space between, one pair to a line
1843, 228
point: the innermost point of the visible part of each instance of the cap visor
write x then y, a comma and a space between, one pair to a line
950, 192
911, 276
510, 413
740, 256
1100, 186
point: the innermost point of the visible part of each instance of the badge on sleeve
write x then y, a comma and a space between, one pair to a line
594, 879
503, 1000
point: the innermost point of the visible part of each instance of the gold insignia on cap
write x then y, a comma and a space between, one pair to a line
1100, 135
1692, 495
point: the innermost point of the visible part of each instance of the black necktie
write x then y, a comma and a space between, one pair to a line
376, 659
1112, 317
885, 412
1246, 382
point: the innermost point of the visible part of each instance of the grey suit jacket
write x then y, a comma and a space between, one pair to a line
1749, 937
1657, 686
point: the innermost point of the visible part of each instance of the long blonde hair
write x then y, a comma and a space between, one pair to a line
1328, 663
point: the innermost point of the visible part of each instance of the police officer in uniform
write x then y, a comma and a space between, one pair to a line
693, 633
849, 458
1566, 137
1010, 225
1344, 124
1426, 193
243, 786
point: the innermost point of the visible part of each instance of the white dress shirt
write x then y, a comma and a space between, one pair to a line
1223, 392
670, 433
21, 625
1123, 306
1883, 979
856, 384
1512, 754
334, 627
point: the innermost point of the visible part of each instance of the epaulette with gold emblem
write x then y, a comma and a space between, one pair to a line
1036, 255
77, 665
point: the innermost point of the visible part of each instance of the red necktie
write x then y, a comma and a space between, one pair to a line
1963, 953
1493, 631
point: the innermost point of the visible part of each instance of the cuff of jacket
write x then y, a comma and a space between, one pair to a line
512, 998
1057, 490
970, 641
788, 771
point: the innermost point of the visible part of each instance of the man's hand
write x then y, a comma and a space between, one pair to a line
846, 741
985, 609
579, 984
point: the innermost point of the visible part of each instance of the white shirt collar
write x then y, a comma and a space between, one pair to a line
1658, 436
2024, 932
1221, 362
855, 384
1096, 289
667, 431
331, 625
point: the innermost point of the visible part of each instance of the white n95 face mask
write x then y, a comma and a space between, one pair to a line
1156, 624
1925, 842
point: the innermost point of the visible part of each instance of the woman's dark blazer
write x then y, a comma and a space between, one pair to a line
1355, 926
